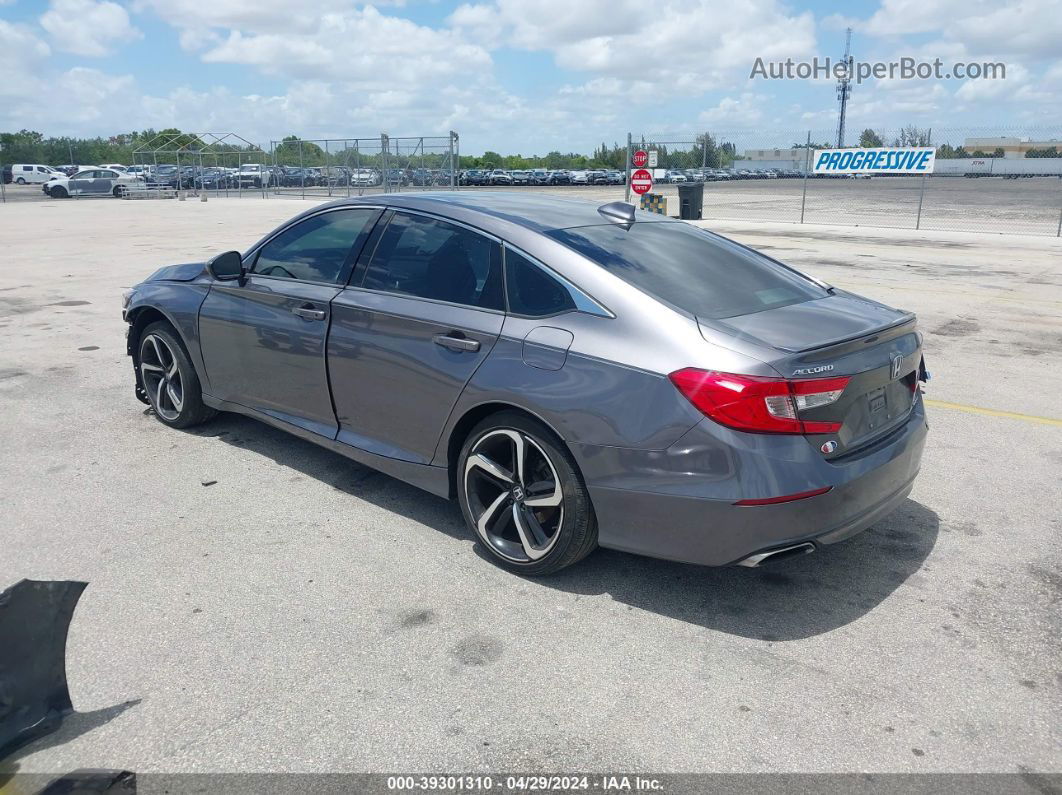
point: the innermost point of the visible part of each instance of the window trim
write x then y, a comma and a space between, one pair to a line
250, 259
575, 291
364, 268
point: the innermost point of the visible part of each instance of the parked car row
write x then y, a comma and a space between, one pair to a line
257, 176
541, 176
726, 174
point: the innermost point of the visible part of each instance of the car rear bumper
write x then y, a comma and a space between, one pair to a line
679, 503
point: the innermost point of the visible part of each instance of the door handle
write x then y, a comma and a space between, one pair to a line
307, 312
455, 343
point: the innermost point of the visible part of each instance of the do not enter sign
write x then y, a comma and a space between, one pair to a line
641, 181
640, 159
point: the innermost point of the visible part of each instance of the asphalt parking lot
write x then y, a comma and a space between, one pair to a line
1020, 206
305, 614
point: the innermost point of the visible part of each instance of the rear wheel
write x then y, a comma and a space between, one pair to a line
169, 379
521, 493
20, 181
119, 191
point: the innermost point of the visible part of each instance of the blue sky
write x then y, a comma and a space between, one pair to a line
512, 75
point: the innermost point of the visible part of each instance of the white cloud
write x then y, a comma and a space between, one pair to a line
21, 55
262, 16
88, 27
678, 46
1029, 28
747, 109
359, 48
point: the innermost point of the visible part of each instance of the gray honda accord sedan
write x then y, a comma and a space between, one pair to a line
573, 375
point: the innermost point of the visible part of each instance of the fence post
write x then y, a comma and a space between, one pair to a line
1058, 233
346, 165
302, 171
921, 196
455, 161
807, 163
627, 182
384, 146
922, 192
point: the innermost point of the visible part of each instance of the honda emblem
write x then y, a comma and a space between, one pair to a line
897, 364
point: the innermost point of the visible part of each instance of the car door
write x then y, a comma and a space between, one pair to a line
81, 182
423, 311
104, 182
263, 337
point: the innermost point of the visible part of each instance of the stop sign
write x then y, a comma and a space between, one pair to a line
641, 181
640, 159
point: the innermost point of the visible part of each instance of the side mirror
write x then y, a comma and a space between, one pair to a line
227, 266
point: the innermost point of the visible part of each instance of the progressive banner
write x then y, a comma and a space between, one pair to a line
880, 160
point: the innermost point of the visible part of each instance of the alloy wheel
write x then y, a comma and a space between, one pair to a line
161, 377
514, 495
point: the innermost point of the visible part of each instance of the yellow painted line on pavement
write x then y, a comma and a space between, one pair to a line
1010, 415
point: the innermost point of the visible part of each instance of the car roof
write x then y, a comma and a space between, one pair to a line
540, 213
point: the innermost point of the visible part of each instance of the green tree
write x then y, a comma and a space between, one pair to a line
289, 152
868, 138
912, 136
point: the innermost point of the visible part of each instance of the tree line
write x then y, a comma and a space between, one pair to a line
913, 136
30, 146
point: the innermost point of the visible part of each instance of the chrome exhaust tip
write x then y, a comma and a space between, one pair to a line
752, 561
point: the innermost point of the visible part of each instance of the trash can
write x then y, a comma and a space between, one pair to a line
691, 200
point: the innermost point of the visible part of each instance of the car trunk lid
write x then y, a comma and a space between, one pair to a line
876, 348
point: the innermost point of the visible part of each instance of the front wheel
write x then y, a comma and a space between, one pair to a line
169, 379
522, 495
58, 192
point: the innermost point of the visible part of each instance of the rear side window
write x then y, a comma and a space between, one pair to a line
316, 249
433, 259
531, 290
691, 269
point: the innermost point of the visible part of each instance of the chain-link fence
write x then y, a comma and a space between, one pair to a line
200, 164
995, 181
326, 167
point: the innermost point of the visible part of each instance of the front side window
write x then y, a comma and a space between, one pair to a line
316, 249
433, 259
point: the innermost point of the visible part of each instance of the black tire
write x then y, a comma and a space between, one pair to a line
119, 191
575, 533
20, 181
191, 409
58, 192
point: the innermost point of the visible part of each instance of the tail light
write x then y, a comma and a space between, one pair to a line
758, 404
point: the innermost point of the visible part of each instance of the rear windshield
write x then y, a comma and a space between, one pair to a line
689, 268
